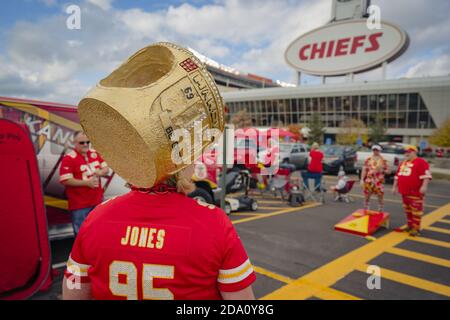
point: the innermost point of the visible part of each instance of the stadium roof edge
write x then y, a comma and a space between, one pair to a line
342, 88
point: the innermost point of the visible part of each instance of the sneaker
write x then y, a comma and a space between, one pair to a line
414, 233
337, 199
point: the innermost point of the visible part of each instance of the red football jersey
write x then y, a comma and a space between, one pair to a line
315, 164
75, 165
410, 175
159, 246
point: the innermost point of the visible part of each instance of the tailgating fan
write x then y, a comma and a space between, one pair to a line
411, 180
373, 177
80, 173
155, 242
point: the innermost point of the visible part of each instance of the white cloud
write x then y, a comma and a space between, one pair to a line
429, 67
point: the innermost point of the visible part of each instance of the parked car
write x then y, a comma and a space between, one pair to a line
293, 153
394, 153
337, 157
296, 154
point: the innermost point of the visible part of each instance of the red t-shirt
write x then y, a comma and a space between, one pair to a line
315, 164
410, 175
74, 165
159, 246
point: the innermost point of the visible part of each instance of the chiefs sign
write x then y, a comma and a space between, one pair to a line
346, 47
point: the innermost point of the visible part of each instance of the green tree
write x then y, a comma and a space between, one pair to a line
441, 137
377, 130
317, 128
242, 119
350, 130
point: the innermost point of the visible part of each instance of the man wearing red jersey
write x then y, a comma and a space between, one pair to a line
159, 245
411, 181
155, 242
315, 167
80, 173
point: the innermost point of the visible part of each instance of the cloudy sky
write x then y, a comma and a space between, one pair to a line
41, 58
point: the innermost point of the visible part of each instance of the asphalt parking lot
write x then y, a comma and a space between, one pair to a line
298, 255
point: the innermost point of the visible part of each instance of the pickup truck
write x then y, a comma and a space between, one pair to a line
394, 154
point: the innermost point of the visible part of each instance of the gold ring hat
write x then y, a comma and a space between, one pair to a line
134, 115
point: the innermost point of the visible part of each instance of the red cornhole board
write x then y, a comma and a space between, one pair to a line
363, 222
24, 245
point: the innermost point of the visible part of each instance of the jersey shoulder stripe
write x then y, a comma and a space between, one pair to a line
235, 275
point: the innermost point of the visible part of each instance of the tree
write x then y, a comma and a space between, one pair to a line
316, 128
377, 130
242, 119
441, 136
350, 131
295, 129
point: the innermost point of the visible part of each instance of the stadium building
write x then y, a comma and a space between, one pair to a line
412, 108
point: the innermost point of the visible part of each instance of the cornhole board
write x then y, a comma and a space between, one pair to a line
24, 245
363, 222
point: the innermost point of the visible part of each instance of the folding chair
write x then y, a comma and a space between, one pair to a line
344, 194
317, 194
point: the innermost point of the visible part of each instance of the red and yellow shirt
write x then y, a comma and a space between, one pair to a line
75, 165
410, 176
159, 246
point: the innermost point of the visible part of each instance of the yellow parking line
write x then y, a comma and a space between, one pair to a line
411, 281
419, 256
268, 215
272, 275
325, 294
327, 275
270, 201
333, 294
270, 208
436, 229
247, 214
430, 241
394, 201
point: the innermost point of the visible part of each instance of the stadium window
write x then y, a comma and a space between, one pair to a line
338, 104
264, 107
422, 106
307, 105
391, 118
301, 105
402, 102
413, 120
294, 106
322, 104
413, 102
274, 107
431, 123
392, 106
330, 104
402, 120
363, 103
423, 118
373, 103
355, 104
365, 118
315, 104
382, 103
345, 104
